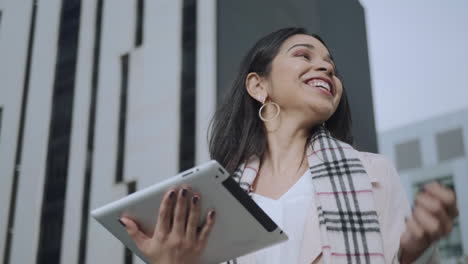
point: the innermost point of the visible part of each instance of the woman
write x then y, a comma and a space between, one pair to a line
284, 131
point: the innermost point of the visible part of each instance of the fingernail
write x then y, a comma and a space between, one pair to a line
184, 192
212, 214
195, 199
122, 223
171, 194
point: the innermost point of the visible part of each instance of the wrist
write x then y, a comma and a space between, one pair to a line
404, 257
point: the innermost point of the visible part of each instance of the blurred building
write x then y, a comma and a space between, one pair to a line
100, 98
435, 149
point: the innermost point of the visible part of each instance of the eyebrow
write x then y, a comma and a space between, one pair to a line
312, 47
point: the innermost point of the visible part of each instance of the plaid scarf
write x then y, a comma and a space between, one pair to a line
349, 225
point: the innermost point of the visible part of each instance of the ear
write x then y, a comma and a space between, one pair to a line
256, 88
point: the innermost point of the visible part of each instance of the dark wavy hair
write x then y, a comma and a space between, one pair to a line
236, 132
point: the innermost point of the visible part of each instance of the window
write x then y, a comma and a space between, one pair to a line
450, 144
139, 23
408, 155
122, 118
1, 17
188, 93
53, 205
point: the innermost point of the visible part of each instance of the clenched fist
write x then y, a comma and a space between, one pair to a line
433, 215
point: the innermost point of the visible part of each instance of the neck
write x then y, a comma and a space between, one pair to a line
286, 148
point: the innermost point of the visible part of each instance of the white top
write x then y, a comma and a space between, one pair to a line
289, 212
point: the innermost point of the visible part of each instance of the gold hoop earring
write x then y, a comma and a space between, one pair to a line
274, 116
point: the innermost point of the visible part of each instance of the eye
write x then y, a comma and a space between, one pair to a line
302, 54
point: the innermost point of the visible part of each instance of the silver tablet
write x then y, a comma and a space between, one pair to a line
241, 226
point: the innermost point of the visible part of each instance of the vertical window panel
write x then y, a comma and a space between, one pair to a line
139, 22
122, 118
187, 106
53, 205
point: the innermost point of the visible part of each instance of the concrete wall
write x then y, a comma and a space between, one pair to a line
152, 126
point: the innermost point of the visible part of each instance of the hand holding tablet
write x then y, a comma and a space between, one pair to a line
214, 220
178, 237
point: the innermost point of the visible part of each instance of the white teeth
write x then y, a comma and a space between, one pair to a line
320, 84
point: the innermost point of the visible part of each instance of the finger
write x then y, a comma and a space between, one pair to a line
413, 230
180, 213
166, 210
435, 207
134, 232
428, 223
207, 227
193, 218
445, 195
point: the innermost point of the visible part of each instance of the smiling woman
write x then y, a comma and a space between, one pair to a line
240, 108
284, 133
291, 75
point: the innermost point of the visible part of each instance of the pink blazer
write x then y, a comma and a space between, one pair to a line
392, 206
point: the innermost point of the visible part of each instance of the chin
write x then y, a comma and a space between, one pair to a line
322, 110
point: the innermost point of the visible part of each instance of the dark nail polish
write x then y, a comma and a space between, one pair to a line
195, 199
171, 194
212, 214
122, 223
184, 192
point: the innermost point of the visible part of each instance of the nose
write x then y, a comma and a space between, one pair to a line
325, 67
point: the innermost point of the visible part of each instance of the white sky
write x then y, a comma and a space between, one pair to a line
418, 52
